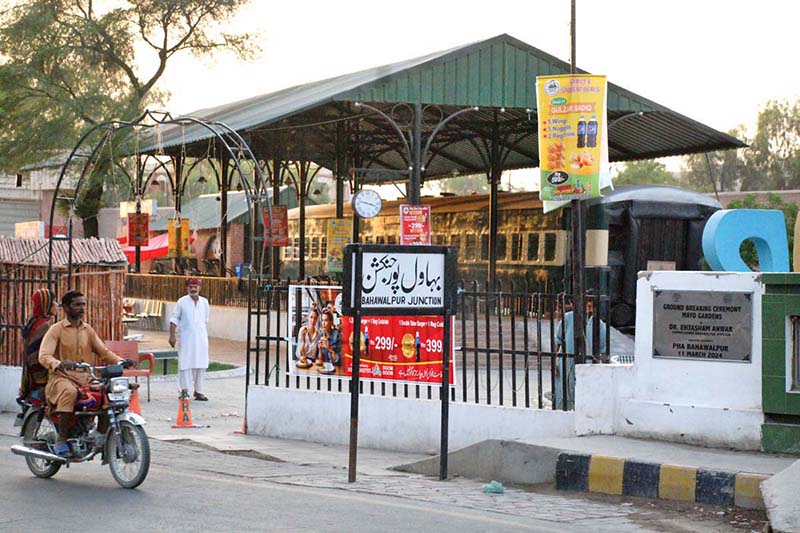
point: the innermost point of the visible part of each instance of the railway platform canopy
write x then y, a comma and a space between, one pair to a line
467, 110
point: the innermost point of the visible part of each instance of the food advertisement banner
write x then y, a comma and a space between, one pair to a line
277, 234
340, 232
400, 348
573, 138
138, 229
415, 224
179, 234
393, 348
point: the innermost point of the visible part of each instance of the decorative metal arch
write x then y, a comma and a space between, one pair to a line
231, 143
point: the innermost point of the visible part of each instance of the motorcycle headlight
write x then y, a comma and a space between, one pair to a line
119, 385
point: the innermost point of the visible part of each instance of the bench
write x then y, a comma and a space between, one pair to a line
130, 350
150, 313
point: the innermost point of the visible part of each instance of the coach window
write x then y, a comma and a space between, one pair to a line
455, 242
323, 247
440, 240
469, 252
307, 246
533, 247
484, 247
368, 239
549, 246
502, 244
516, 246
380, 239
391, 239
315, 247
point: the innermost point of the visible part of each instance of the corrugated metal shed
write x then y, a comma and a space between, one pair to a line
203, 212
84, 252
497, 74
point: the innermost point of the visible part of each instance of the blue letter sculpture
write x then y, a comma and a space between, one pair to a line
727, 229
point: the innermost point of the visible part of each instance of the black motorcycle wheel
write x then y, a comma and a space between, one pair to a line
130, 463
43, 433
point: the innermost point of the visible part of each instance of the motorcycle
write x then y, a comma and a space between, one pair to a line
124, 445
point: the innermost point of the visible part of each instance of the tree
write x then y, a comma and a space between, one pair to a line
724, 170
69, 65
460, 185
774, 201
772, 160
648, 172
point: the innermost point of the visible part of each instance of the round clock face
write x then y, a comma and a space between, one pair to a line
367, 203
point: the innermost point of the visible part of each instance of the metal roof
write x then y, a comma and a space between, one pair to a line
497, 74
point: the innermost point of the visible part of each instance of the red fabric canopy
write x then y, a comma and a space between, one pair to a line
158, 247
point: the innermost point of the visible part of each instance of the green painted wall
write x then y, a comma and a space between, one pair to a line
781, 432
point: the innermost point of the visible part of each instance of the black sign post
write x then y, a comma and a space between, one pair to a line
384, 280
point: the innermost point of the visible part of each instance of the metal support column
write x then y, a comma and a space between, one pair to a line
578, 245
223, 219
416, 154
277, 179
301, 197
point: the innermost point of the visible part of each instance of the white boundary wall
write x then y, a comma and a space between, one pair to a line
387, 423
9, 387
712, 403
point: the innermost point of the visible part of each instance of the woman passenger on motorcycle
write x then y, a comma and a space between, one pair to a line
34, 375
67, 342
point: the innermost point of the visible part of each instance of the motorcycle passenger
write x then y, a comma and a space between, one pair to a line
66, 343
34, 375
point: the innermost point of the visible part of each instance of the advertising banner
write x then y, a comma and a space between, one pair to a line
340, 232
573, 136
415, 224
399, 348
278, 233
138, 229
179, 234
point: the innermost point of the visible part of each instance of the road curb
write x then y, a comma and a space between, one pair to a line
613, 475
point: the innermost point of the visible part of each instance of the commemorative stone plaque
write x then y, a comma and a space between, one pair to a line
703, 325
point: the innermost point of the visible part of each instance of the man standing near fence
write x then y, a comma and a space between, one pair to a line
190, 316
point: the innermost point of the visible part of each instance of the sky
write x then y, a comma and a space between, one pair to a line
717, 62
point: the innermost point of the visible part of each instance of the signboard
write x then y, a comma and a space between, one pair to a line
400, 280
340, 232
703, 325
147, 206
29, 230
138, 229
415, 224
278, 233
573, 136
179, 237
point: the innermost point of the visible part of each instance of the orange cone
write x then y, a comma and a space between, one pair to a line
184, 416
244, 427
134, 406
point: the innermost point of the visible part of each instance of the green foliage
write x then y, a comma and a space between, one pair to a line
774, 201
648, 172
460, 185
772, 161
69, 65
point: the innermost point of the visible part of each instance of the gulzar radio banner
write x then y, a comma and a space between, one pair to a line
573, 136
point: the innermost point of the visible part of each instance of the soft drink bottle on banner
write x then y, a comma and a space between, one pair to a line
582, 132
591, 132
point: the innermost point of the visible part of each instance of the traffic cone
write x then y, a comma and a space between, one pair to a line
134, 406
184, 416
244, 427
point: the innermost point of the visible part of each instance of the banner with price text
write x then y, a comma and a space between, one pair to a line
401, 348
415, 224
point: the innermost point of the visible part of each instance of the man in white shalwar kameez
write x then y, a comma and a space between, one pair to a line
190, 316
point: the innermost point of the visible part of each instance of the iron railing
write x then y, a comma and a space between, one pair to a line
506, 347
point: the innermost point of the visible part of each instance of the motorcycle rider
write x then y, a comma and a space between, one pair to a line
67, 342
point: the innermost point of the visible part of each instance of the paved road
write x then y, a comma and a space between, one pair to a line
192, 488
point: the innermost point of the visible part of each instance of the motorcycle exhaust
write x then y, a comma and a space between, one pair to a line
36, 454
